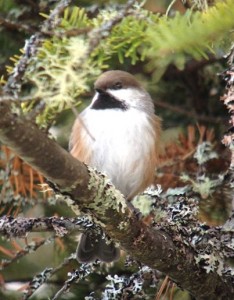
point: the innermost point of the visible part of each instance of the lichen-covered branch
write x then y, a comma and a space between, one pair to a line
159, 247
228, 99
75, 276
20, 227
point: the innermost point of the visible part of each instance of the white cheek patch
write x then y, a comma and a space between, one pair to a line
94, 98
129, 95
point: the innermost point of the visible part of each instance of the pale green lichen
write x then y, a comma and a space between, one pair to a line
154, 191
177, 191
204, 153
70, 202
204, 185
122, 225
58, 65
59, 74
72, 205
104, 16
107, 196
213, 262
143, 203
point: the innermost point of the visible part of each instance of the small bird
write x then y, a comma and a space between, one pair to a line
119, 135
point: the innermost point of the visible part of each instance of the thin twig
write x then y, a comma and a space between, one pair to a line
188, 113
77, 275
67, 33
38, 280
16, 25
76, 113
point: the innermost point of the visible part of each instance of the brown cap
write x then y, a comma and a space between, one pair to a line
116, 79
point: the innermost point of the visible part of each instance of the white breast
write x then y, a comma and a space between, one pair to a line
120, 140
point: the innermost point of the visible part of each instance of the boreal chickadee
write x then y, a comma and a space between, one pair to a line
119, 134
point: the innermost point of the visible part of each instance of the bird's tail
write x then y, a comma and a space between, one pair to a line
92, 246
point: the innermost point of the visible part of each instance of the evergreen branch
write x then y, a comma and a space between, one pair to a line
63, 68
79, 47
195, 34
97, 35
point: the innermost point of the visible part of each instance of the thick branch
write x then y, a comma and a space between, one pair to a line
92, 192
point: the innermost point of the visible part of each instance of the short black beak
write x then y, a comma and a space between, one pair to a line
100, 91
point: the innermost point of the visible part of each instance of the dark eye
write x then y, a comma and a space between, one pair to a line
117, 86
